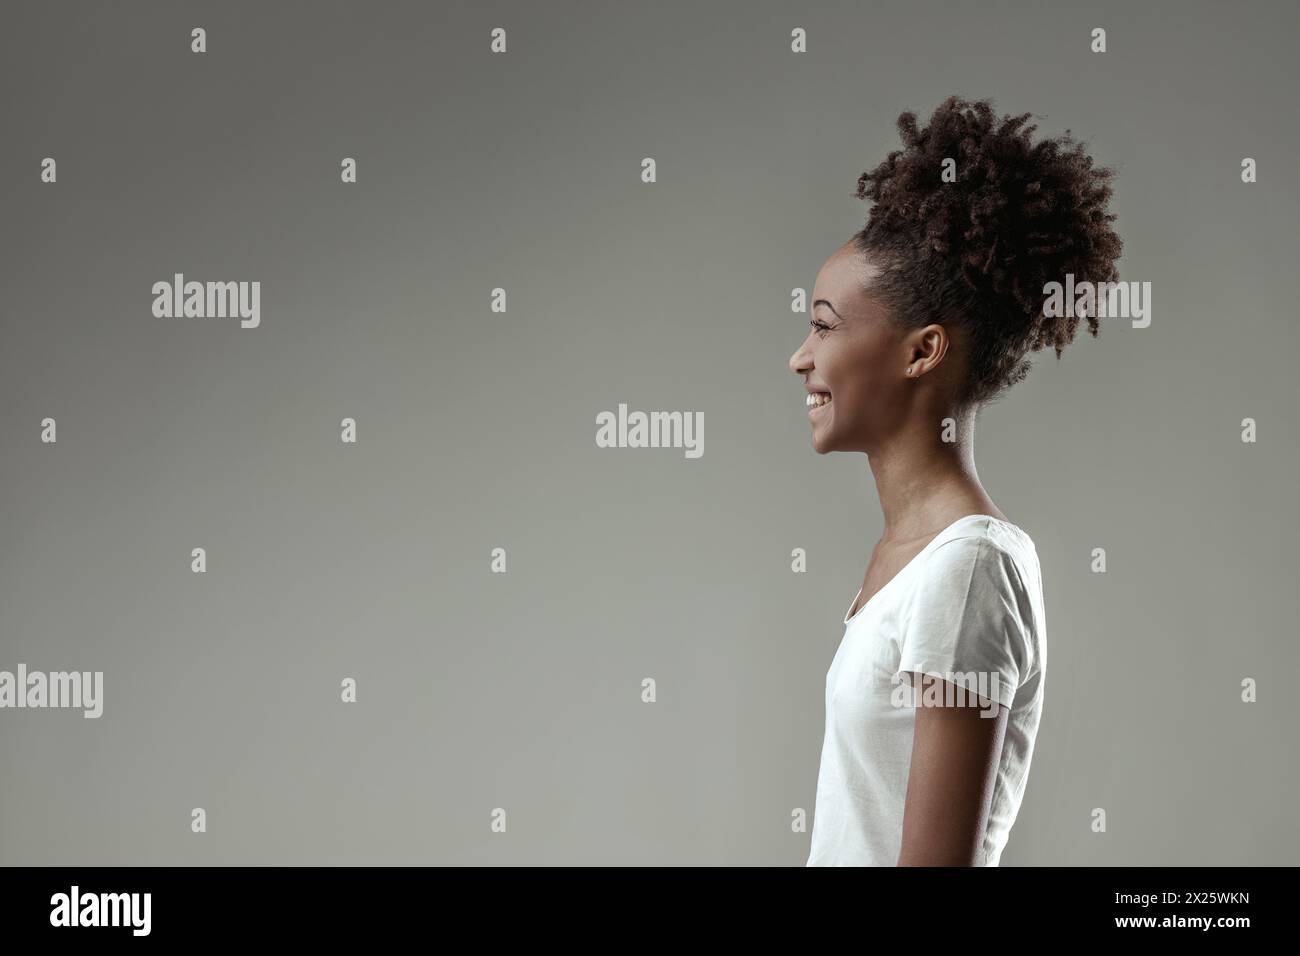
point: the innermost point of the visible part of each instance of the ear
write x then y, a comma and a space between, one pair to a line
926, 348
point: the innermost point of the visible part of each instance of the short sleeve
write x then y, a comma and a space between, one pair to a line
970, 620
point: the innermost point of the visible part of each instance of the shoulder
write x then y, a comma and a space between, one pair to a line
973, 607
985, 555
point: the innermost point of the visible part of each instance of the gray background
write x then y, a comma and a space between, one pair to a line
476, 430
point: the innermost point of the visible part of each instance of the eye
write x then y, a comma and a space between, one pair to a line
819, 325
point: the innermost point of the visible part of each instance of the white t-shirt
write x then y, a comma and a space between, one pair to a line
968, 608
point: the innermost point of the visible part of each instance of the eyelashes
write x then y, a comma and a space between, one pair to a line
819, 326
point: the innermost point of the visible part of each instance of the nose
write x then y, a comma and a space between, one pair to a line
801, 360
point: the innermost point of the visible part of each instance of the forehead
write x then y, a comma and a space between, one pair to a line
845, 278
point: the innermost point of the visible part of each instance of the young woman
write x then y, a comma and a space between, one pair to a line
934, 695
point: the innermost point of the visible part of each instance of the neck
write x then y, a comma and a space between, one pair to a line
926, 483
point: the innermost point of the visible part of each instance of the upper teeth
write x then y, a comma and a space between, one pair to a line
817, 398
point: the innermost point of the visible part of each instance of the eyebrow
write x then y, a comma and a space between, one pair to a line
828, 305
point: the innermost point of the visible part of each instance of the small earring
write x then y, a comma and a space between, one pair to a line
909, 370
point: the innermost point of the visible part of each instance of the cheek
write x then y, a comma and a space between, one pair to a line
857, 379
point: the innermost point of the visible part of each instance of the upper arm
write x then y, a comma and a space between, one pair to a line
970, 633
955, 753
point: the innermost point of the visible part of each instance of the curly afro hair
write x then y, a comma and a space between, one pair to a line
978, 252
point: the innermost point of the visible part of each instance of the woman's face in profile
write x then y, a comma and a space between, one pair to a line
854, 359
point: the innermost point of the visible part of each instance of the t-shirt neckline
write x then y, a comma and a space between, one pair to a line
848, 619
